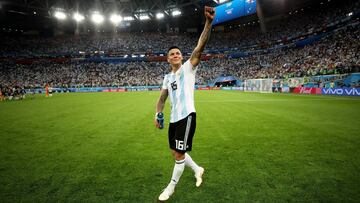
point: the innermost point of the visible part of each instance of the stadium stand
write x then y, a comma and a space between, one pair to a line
326, 46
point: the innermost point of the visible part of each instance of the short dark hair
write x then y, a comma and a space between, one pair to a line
173, 47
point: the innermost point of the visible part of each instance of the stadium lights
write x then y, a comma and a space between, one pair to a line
220, 1
97, 18
176, 13
144, 17
160, 16
78, 17
114, 18
60, 15
128, 18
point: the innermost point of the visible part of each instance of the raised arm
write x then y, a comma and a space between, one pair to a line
204, 37
160, 104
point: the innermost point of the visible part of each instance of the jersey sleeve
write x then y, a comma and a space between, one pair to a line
164, 85
189, 68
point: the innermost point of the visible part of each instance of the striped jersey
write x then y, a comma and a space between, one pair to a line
180, 86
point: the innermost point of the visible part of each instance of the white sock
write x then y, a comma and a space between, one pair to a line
190, 163
177, 172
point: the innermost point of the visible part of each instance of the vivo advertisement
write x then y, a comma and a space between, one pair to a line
233, 10
342, 91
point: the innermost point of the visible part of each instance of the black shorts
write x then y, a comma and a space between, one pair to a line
181, 134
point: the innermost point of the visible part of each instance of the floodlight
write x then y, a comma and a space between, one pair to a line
78, 17
97, 18
114, 18
160, 15
60, 15
176, 13
144, 17
128, 18
220, 1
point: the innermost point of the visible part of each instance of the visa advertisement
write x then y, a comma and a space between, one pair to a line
234, 9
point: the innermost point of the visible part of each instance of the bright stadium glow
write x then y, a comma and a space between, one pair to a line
97, 18
60, 15
144, 17
78, 17
176, 13
160, 16
220, 1
128, 18
115, 19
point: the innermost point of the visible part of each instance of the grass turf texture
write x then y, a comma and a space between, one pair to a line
103, 147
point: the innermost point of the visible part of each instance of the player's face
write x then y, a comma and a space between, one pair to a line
174, 57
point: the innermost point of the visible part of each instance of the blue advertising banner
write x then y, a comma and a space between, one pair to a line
233, 10
250, 7
341, 91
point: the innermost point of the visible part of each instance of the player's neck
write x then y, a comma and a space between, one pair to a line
175, 67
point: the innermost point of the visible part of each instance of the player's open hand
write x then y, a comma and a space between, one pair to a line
209, 13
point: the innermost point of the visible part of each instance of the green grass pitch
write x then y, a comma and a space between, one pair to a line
103, 147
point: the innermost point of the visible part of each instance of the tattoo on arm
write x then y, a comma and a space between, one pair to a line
204, 38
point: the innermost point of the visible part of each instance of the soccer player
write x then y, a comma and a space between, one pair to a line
179, 85
1, 94
47, 90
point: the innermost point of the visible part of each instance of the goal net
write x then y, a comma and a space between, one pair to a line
259, 85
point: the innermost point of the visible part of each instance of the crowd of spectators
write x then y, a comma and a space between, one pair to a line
336, 53
83, 74
299, 23
105, 42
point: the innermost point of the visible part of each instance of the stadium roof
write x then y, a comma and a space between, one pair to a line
29, 14
39, 14
123, 6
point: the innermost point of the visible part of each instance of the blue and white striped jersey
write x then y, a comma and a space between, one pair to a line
180, 86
